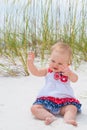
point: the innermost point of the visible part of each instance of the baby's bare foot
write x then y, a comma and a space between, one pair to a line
49, 120
72, 122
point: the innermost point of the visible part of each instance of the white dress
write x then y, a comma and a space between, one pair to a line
56, 94
56, 88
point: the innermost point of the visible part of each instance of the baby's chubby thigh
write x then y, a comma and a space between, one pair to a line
35, 108
67, 108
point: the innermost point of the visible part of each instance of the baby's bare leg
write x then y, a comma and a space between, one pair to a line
69, 113
39, 112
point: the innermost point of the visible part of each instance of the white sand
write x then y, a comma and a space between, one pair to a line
18, 94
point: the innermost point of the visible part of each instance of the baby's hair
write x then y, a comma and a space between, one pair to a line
63, 48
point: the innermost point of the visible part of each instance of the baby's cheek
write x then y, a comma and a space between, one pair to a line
50, 65
61, 68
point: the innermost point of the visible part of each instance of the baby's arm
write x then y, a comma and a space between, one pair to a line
32, 68
71, 75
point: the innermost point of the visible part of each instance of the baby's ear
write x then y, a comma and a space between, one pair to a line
69, 64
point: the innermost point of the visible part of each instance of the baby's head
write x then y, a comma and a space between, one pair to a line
64, 50
61, 55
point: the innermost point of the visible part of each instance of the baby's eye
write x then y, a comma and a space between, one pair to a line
53, 61
60, 64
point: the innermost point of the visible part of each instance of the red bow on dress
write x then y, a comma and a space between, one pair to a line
62, 78
59, 75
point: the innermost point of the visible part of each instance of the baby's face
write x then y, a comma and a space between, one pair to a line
58, 61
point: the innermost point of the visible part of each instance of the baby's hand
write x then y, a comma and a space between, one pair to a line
71, 75
31, 56
66, 70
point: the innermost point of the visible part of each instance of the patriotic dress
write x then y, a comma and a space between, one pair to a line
56, 93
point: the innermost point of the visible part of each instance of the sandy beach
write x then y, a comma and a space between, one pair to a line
17, 95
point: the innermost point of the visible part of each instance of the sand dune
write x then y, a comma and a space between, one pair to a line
18, 94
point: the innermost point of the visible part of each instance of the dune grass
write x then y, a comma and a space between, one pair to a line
36, 25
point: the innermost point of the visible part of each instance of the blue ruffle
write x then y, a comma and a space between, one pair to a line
53, 107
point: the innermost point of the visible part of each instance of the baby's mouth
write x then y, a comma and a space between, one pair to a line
56, 70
